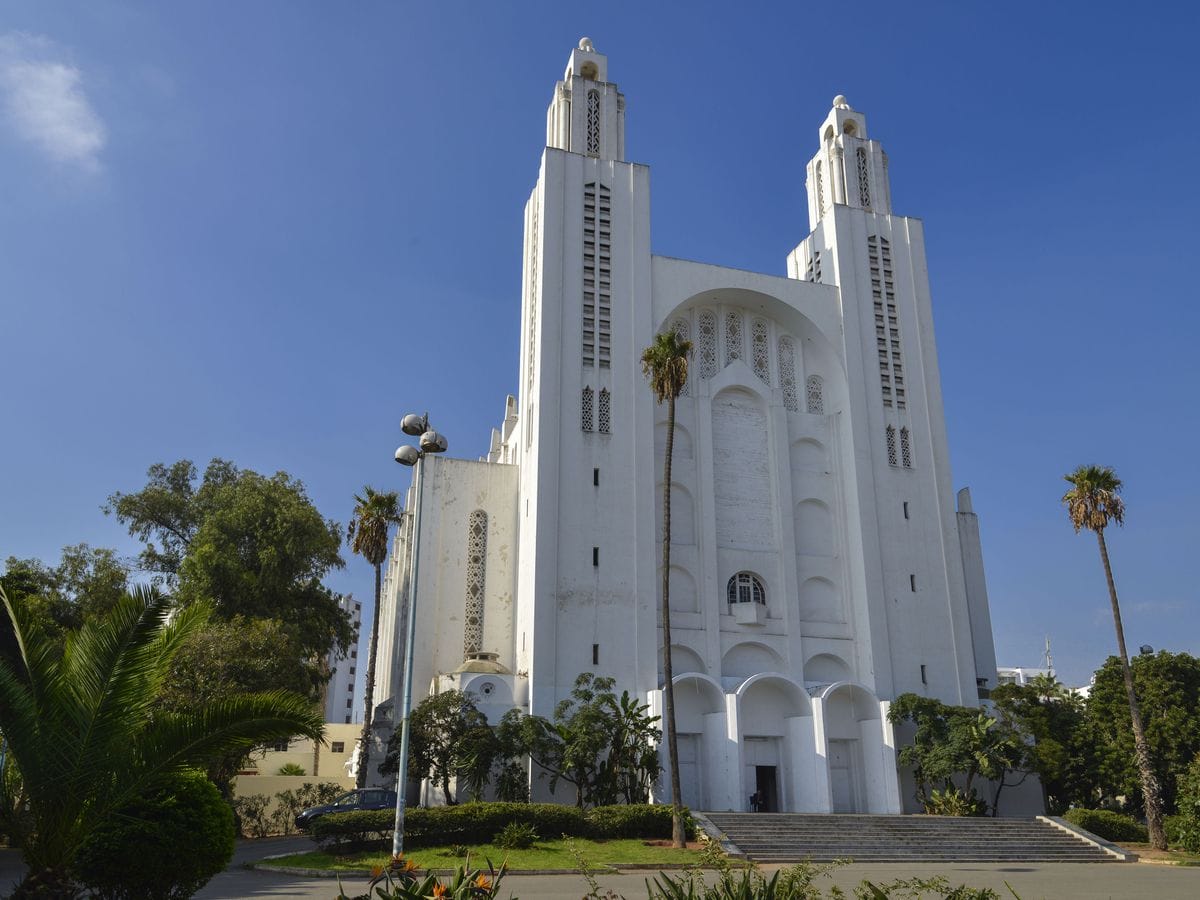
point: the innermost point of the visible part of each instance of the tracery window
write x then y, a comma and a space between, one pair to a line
814, 266
787, 374
604, 411
597, 275
814, 394
887, 327
476, 571
761, 355
707, 330
586, 418
820, 192
905, 449
745, 587
864, 178
891, 445
593, 122
733, 336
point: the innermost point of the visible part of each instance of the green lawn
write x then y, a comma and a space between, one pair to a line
543, 855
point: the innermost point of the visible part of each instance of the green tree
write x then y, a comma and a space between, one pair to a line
86, 582
1062, 754
88, 736
449, 738
1168, 691
1093, 502
226, 659
255, 546
374, 514
952, 742
665, 364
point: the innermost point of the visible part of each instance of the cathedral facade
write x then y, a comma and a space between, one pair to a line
821, 563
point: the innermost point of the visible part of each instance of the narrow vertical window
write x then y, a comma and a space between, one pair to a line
593, 122
864, 178
787, 374
906, 509
733, 336
589, 274
595, 556
707, 330
912, 583
891, 445
586, 419
595, 654
814, 389
759, 352
923, 681
476, 572
905, 449
820, 193
596, 482
604, 411
603, 253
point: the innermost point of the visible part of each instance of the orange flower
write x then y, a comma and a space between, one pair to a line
376, 871
440, 890
483, 882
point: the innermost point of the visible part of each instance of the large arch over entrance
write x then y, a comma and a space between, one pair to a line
777, 748
859, 749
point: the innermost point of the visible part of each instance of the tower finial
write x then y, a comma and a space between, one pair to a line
585, 44
840, 102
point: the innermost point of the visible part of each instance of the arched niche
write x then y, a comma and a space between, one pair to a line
809, 453
847, 706
683, 591
743, 486
826, 668
682, 448
814, 529
749, 658
683, 660
683, 514
820, 601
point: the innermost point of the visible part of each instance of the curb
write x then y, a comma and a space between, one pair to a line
617, 869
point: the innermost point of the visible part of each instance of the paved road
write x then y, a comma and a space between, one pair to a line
1051, 881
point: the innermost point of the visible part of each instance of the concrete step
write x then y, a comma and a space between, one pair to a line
776, 837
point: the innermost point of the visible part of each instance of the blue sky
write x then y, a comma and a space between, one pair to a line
267, 230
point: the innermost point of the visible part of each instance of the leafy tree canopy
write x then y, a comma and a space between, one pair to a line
1168, 691
253, 545
88, 581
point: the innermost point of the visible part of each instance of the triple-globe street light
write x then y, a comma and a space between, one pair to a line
430, 442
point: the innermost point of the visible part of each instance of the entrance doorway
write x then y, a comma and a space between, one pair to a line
765, 789
845, 776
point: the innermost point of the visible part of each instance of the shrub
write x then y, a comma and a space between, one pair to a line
291, 769
953, 802
470, 823
250, 813
1112, 826
635, 820
516, 836
165, 846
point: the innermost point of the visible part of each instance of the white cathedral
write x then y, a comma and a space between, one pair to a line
820, 564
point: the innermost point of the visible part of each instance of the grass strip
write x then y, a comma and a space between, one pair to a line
555, 855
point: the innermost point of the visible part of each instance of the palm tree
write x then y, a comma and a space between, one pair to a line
1092, 503
87, 735
665, 364
374, 514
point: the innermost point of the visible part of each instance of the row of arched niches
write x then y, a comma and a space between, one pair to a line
755, 497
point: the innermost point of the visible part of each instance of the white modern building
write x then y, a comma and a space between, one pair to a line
822, 563
339, 696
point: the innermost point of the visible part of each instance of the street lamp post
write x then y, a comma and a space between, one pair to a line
431, 442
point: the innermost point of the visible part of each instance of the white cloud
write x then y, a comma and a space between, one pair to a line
44, 101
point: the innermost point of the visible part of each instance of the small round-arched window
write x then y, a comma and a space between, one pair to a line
746, 588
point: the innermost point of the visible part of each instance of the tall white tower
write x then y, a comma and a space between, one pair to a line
586, 478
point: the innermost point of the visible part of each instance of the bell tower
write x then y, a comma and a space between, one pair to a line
849, 169
587, 114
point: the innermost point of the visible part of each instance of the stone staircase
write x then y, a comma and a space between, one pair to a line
784, 837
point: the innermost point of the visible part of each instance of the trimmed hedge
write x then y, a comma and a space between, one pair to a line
480, 823
1112, 826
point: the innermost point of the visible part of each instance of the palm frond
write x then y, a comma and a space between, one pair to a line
1094, 498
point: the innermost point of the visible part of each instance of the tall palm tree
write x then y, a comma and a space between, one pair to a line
1092, 503
374, 513
665, 364
86, 734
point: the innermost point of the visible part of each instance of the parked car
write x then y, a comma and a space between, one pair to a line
370, 798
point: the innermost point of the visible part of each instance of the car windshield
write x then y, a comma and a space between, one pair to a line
350, 799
